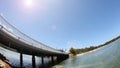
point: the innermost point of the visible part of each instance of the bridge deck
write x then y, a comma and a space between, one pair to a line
14, 41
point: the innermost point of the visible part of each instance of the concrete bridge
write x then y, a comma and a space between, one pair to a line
15, 39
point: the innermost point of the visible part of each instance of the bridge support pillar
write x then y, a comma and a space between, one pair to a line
21, 60
42, 58
33, 61
52, 59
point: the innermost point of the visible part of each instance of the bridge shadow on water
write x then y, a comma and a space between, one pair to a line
14, 59
46, 65
24, 52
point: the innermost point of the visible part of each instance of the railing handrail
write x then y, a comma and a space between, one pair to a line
19, 30
27, 37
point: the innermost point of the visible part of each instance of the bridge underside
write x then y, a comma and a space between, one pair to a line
11, 42
14, 40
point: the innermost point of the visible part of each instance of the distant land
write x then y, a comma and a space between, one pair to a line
74, 51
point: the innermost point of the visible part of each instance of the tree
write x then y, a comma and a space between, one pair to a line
72, 51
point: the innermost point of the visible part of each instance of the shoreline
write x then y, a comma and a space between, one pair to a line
90, 51
5, 64
71, 55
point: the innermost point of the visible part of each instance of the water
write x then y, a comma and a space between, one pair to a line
105, 57
14, 58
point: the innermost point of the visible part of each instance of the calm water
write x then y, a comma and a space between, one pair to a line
13, 57
105, 57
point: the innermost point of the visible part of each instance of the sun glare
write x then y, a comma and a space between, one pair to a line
29, 3
28, 6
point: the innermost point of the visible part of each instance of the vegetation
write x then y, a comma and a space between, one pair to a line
73, 51
83, 50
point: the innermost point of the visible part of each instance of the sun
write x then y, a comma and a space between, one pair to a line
29, 3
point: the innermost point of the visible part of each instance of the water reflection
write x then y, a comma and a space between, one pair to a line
13, 57
105, 57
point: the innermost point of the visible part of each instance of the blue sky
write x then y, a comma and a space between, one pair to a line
65, 23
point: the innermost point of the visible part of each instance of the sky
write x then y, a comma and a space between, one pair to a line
63, 24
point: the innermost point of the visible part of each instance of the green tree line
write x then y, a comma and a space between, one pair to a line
83, 50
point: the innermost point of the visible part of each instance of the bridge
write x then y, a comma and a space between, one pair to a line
11, 37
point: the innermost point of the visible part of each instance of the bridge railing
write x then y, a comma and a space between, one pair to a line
11, 30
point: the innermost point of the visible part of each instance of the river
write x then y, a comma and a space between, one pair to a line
14, 58
104, 57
